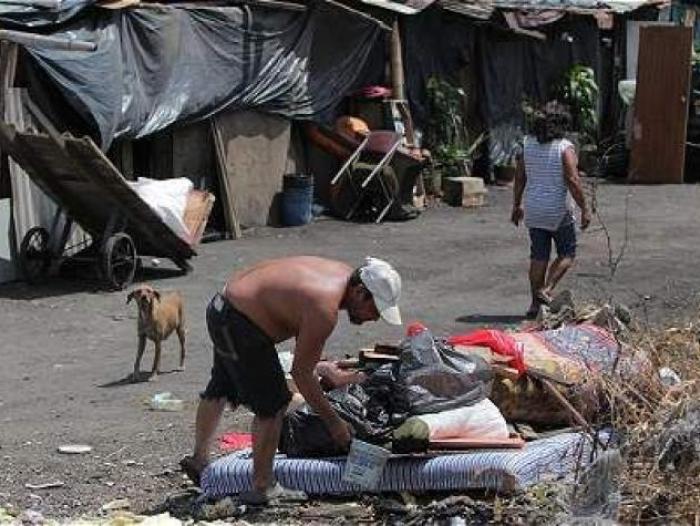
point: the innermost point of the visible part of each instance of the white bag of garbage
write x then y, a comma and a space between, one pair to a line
480, 420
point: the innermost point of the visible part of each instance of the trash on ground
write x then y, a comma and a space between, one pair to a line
234, 441
74, 449
118, 504
45, 485
166, 402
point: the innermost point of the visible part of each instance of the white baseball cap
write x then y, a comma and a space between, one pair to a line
382, 280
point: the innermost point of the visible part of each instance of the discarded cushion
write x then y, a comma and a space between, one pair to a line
501, 470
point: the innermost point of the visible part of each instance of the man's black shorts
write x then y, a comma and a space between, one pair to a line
246, 367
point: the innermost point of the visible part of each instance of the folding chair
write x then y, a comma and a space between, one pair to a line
372, 155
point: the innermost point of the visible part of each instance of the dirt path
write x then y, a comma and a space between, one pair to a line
67, 349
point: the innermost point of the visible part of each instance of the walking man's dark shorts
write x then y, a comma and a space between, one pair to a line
246, 367
564, 239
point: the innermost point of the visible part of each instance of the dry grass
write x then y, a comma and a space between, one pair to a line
659, 430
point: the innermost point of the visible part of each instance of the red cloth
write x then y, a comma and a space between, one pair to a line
498, 341
235, 441
415, 328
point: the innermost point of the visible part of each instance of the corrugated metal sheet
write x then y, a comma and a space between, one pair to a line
484, 8
404, 7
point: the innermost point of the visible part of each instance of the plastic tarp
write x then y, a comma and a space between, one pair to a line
373, 409
437, 377
40, 14
160, 65
504, 67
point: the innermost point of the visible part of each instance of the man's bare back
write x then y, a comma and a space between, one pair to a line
276, 294
300, 298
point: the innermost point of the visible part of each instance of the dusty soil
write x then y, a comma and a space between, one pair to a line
67, 348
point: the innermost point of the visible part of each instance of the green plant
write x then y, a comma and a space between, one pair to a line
579, 92
446, 133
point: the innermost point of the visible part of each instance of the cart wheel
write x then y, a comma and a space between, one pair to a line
34, 255
119, 261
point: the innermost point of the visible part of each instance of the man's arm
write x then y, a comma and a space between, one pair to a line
316, 327
518, 188
573, 181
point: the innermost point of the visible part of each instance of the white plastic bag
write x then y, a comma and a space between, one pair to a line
481, 420
168, 199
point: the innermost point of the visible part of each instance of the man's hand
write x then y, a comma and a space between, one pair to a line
517, 215
585, 219
341, 434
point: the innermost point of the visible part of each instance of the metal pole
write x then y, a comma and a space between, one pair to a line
47, 4
31, 39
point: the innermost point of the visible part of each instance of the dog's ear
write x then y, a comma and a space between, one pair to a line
131, 296
156, 294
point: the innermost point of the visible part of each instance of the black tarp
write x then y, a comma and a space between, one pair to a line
159, 65
508, 67
25, 15
514, 66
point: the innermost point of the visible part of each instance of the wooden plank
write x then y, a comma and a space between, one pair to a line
515, 441
230, 215
661, 105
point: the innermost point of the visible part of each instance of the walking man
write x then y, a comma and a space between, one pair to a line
548, 177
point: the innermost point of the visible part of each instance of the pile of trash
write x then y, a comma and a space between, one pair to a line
401, 404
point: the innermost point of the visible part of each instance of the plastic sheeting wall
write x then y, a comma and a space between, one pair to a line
157, 66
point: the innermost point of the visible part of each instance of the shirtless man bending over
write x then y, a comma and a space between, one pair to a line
273, 301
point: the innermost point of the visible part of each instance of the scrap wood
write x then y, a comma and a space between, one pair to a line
371, 356
574, 413
546, 380
230, 214
514, 441
385, 348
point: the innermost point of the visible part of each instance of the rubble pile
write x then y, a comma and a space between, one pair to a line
659, 430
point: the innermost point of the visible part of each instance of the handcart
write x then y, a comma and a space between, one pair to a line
91, 192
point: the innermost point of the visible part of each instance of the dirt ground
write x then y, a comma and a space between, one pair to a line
67, 348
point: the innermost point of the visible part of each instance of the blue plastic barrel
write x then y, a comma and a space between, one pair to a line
297, 199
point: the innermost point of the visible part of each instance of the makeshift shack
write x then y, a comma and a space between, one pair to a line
502, 53
212, 93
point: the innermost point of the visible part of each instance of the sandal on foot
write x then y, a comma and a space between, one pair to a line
187, 464
544, 298
273, 494
531, 314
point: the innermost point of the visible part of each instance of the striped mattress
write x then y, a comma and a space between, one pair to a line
542, 460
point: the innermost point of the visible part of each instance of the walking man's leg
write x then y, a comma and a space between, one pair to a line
540, 249
565, 241
556, 271
538, 271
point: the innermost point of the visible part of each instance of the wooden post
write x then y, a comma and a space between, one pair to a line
397, 77
231, 217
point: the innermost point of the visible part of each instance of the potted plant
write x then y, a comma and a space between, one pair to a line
447, 136
579, 91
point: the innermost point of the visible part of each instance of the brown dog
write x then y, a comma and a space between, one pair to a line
159, 316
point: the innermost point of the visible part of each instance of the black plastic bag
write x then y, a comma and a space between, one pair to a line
373, 409
438, 378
